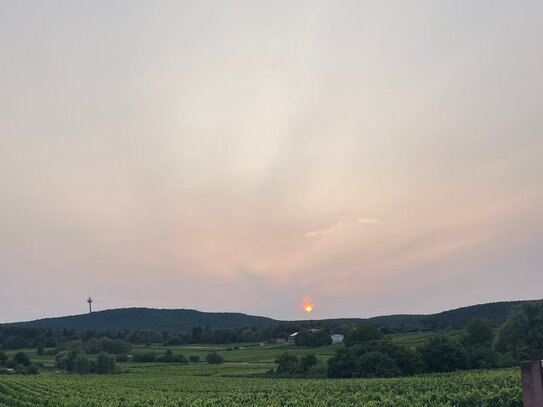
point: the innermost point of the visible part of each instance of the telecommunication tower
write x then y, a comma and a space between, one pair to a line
89, 301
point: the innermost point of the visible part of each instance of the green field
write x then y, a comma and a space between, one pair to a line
236, 383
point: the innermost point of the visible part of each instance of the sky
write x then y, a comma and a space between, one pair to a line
372, 157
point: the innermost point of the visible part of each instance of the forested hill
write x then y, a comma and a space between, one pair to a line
133, 319
183, 320
456, 318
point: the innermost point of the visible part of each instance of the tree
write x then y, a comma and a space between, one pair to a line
105, 363
477, 342
76, 346
93, 346
194, 358
376, 364
479, 331
81, 364
21, 358
407, 360
307, 362
114, 346
144, 357
286, 363
363, 334
40, 349
442, 354
214, 358
3, 358
522, 331
313, 338
32, 370
342, 364
65, 360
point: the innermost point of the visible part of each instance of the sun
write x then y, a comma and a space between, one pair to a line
307, 304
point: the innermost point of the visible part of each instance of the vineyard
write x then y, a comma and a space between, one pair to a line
228, 385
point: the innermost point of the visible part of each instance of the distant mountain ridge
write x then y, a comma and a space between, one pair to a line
183, 320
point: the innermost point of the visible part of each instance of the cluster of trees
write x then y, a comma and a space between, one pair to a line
376, 358
313, 338
368, 354
167, 357
18, 338
77, 362
522, 332
94, 346
49, 341
214, 358
289, 364
20, 363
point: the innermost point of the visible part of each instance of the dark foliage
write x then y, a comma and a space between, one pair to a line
374, 359
214, 358
105, 363
442, 354
522, 332
21, 358
313, 338
363, 334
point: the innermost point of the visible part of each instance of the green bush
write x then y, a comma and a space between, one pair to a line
105, 364
362, 334
214, 358
82, 364
21, 358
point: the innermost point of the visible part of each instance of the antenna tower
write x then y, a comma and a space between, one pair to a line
89, 301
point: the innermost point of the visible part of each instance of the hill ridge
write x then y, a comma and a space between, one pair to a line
183, 320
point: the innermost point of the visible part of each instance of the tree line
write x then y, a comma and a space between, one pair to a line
367, 352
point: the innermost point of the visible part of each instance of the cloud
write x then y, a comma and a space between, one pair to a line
322, 232
368, 221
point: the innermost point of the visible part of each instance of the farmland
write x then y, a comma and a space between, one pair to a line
242, 381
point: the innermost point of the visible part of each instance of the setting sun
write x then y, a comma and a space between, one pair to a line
308, 307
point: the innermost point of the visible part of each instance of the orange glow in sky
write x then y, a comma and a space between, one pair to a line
308, 304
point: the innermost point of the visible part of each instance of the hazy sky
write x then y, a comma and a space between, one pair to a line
379, 157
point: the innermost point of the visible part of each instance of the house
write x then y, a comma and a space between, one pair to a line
292, 337
336, 338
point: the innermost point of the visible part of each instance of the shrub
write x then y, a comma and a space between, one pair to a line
3, 358
342, 364
144, 358
313, 338
122, 357
105, 363
307, 362
376, 364
442, 354
75, 346
65, 360
21, 358
114, 346
286, 363
81, 364
32, 370
194, 358
363, 334
214, 358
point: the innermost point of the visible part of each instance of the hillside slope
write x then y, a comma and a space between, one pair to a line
131, 319
182, 320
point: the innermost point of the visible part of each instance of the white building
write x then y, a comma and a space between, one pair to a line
336, 338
